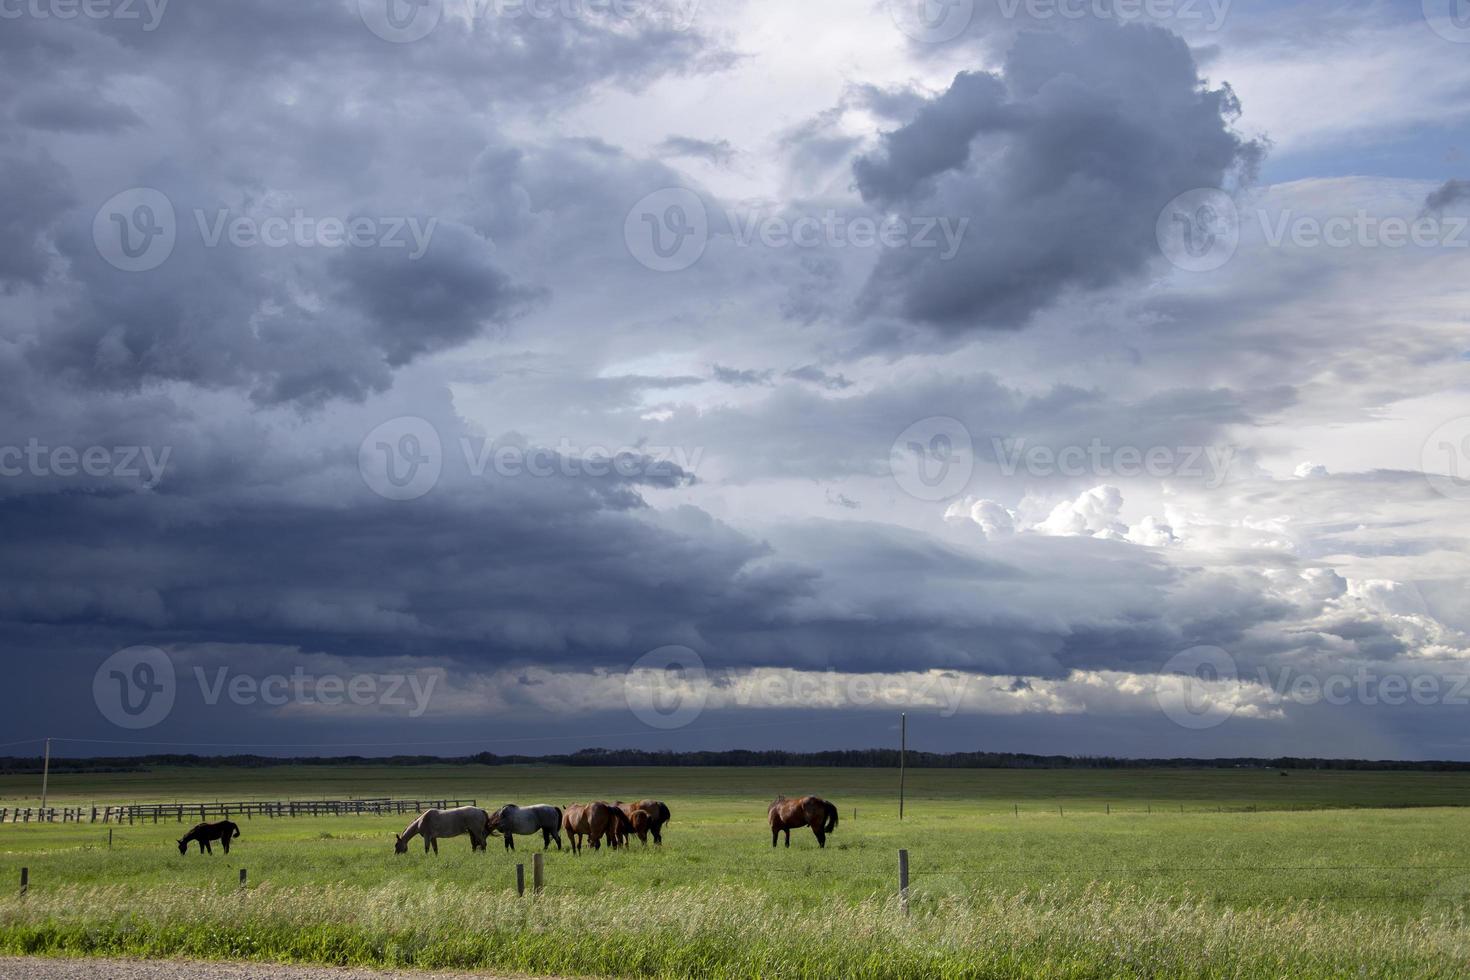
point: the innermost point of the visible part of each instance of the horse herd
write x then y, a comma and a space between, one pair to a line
595, 822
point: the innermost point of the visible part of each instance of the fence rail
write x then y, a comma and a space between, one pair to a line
248, 809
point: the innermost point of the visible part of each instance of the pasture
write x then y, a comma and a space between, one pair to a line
1313, 874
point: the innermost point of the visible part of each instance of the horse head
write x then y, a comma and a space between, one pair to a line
400, 846
183, 847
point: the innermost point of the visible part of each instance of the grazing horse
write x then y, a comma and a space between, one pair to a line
224, 832
647, 817
511, 820
809, 811
594, 821
434, 824
637, 823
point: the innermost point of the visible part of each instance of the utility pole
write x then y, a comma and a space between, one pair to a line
45, 778
903, 748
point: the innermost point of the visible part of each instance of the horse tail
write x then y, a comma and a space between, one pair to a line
663, 813
831, 817
624, 824
559, 817
237, 829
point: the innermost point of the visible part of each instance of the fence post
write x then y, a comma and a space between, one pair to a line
538, 873
903, 881
242, 879
1107, 809
109, 838
25, 881
520, 879
1017, 808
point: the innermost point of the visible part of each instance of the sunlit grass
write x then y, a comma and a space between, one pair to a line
1140, 891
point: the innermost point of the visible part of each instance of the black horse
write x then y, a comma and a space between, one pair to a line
224, 832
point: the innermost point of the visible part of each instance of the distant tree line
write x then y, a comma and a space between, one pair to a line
846, 758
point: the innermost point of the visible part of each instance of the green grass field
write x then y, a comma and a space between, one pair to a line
1313, 874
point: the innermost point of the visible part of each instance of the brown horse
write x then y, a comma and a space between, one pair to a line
637, 822
809, 811
647, 817
595, 821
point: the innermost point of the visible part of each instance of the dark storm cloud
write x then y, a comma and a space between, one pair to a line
1062, 162
335, 122
36, 194
719, 152
1451, 193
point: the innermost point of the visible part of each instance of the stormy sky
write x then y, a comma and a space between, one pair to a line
530, 375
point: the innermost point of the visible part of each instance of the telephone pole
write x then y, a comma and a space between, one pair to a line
45, 778
903, 748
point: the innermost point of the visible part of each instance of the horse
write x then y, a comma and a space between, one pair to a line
595, 821
431, 825
224, 832
511, 820
809, 811
646, 816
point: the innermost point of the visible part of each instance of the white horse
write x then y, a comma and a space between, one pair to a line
434, 824
511, 820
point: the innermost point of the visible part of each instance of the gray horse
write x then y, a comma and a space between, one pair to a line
434, 824
511, 820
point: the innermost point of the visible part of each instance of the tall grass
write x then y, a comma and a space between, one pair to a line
1096, 930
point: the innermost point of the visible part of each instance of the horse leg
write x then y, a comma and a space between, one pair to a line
226, 842
204, 846
775, 835
788, 836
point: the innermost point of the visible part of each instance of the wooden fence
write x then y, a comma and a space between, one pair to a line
248, 809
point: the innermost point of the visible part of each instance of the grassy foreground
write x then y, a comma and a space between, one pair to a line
1141, 891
